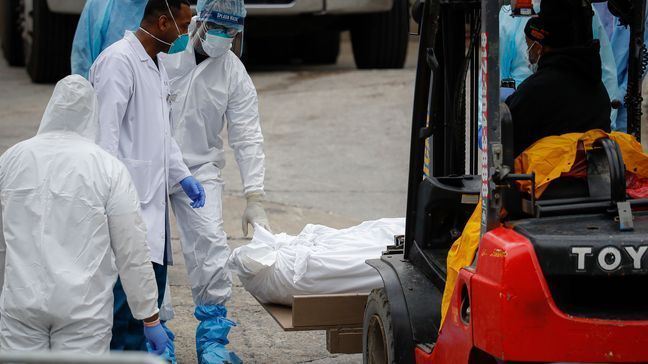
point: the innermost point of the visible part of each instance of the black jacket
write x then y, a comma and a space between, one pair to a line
565, 95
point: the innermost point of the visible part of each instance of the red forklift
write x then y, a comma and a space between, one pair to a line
554, 280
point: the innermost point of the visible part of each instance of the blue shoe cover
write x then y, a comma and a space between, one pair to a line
211, 336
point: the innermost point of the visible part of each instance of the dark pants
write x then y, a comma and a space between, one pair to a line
127, 332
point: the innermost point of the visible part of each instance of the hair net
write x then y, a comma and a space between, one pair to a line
72, 108
229, 13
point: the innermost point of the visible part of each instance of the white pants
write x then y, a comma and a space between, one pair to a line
204, 244
87, 336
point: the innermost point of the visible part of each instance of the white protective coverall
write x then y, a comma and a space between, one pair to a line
206, 97
134, 126
71, 223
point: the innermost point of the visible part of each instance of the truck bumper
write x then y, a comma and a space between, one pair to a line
66, 6
358, 6
336, 7
295, 7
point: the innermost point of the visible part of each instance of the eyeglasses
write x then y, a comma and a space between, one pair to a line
217, 29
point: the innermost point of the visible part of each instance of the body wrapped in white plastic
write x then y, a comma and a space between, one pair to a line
320, 260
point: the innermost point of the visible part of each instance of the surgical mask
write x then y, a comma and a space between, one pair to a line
216, 45
180, 44
536, 6
533, 66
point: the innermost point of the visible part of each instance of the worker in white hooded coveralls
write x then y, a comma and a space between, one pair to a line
70, 223
132, 88
211, 90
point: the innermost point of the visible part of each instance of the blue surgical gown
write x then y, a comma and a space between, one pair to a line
621, 47
102, 23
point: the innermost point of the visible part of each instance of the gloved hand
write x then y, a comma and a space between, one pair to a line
194, 190
254, 212
156, 336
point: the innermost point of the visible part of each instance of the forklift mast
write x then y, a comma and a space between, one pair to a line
489, 112
445, 97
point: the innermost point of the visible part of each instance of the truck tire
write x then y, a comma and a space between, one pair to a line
12, 44
320, 48
51, 44
377, 330
380, 40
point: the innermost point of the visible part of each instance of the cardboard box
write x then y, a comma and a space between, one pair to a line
320, 312
344, 341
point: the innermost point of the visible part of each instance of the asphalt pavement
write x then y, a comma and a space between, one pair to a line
336, 143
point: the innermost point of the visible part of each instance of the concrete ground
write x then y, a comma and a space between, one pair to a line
337, 143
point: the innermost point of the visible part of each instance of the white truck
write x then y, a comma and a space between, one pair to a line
38, 33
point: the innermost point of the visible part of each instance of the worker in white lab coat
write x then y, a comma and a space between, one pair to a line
133, 92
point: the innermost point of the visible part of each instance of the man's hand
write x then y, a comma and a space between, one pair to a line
194, 190
155, 335
254, 212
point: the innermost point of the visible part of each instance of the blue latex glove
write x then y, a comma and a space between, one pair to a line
157, 338
169, 352
505, 92
194, 190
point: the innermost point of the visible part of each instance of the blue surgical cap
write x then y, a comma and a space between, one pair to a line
229, 13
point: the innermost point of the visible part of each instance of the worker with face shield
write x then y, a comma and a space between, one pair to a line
133, 92
70, 222
211, 90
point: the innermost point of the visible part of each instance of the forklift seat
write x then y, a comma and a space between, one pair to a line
597, 184
596, 174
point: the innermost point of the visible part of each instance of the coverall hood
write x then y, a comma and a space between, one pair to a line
72, 108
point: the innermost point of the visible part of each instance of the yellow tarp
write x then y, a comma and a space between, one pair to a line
549, 158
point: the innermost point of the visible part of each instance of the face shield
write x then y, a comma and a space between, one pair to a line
222, 23
218, 33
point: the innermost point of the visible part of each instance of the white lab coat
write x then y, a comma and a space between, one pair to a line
134, 112
71, 222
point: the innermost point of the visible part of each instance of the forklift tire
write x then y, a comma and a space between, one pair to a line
320, 48
380, 40
377, 330
51, 44
12, 43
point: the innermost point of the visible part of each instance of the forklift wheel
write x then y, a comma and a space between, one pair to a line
377, 332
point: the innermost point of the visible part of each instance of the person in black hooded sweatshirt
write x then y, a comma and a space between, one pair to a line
565, 94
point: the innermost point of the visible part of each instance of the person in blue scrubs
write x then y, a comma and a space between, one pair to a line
620, 45
102, 23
